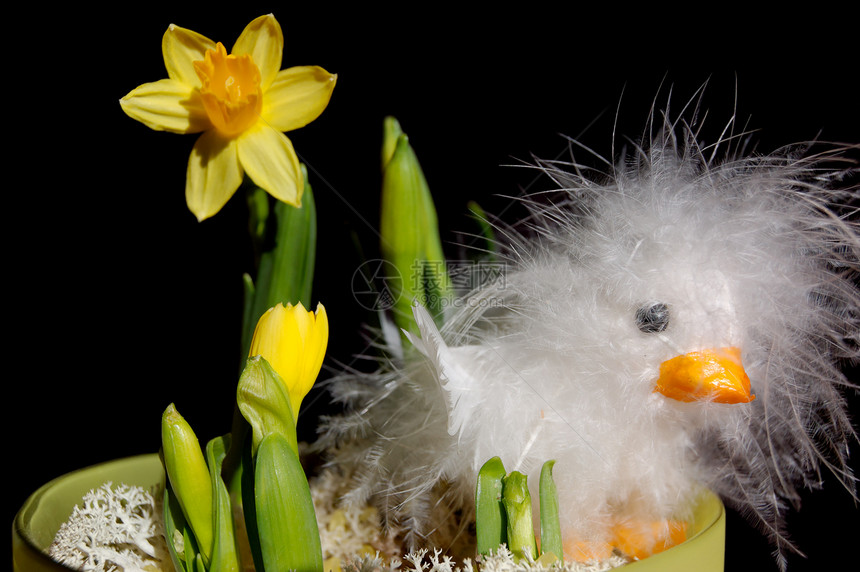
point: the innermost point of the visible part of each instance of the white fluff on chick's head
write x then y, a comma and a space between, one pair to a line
568, 357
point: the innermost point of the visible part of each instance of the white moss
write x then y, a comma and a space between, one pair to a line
117, 529
501, 561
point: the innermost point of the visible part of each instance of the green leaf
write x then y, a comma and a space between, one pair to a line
518, 506
294, 256
249, 318
174, 521
265, 403
249, 506
490, 518
550, 527
285, 267
286, 522
225, 556
486, 230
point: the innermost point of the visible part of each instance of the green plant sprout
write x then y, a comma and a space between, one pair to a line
409, 231
503, 514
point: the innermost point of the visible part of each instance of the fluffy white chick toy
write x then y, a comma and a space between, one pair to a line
679, 323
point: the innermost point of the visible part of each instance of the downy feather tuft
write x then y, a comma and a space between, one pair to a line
754, 252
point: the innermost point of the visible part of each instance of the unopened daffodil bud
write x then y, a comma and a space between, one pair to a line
264, 402
391, 132
293, 340
188, 475
409, 231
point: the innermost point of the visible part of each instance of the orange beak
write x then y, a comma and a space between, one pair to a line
710, 375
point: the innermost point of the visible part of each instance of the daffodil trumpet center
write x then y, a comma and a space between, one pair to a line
230, 90
710, 375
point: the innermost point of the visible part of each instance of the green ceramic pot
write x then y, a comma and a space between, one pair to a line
41, 516
703, 551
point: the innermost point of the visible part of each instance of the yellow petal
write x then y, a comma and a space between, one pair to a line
297, 96
290, 353
167, 105
315, 346
263, 40
181, 48
267, 335
269, 159
304, 321
214, 174
276, 339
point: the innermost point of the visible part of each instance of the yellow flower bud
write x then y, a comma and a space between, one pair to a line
293, 341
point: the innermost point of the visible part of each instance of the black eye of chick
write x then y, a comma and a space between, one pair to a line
652, 318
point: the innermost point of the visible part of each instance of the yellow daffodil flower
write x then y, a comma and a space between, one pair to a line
293, 341
242, 102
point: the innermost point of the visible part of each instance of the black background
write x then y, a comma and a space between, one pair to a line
120, 302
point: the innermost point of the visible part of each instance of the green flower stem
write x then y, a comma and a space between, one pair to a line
286, 246
284, 239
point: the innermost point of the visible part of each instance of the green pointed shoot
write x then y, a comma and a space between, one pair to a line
486, 229
391, 132
409, 232
286, 522
490, 519
265, 404
225, 557
188, 476
182, 553
518, 506
286, 244
550, 527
